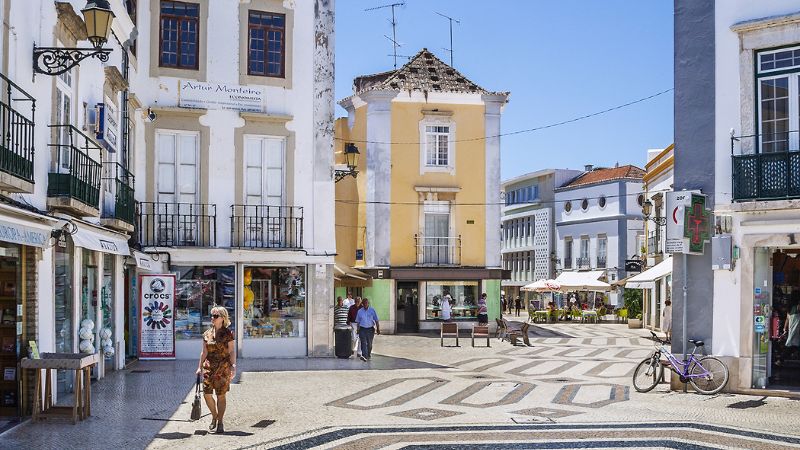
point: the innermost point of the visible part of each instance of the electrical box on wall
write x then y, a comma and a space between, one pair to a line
721, 252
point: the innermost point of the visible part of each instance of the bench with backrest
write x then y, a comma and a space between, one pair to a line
449, 330
480, 331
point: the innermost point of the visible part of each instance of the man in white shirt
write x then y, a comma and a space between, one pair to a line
348, 302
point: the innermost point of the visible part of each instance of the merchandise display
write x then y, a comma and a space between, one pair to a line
274, 302
464, 294
200, 289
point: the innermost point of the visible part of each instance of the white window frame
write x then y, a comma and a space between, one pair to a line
65, 87
264, 193
176, 180
792, 73
437, 121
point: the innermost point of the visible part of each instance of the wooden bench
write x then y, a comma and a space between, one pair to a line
480, 331
514, 334
449, 330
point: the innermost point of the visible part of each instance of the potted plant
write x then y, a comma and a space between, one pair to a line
633, 303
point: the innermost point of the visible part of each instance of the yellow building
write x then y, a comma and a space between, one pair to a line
422, 218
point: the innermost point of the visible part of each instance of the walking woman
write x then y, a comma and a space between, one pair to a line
218, 365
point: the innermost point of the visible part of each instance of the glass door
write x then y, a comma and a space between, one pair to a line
64, 306
762, 307
407, 300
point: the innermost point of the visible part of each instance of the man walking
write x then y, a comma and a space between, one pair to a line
351, 321
368, 325
348, 302
340, 313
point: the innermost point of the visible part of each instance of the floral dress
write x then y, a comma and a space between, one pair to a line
217, 367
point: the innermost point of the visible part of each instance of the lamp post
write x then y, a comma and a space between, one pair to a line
647, 209
351, 160
97, 17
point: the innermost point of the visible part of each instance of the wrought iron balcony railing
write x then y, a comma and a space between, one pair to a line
161, 224
583, 263
16, 131
119, 183
601, 262
438, 251
76, 174
766, 166
264, 226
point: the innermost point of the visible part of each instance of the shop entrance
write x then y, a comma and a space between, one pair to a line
407, 307
776, 319
9, 339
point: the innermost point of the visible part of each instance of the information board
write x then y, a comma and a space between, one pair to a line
157, 316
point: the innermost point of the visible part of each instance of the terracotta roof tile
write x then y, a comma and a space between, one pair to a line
603, 175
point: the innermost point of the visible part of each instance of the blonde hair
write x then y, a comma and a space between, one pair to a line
226, 320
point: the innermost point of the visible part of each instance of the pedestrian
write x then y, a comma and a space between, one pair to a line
348, 302
483, 312
502, 305
217, 365
368, 326
518, 304
666, 319
446, 308
510, 304
352, 312
340, 313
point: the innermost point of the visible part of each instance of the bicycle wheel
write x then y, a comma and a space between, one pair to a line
647, 375
716, 375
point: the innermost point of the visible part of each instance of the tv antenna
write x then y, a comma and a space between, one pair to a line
451, 20
394, 27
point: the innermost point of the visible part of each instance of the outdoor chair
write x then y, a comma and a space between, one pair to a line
520, 333
449, 330
531, 315
480, 331
622, 315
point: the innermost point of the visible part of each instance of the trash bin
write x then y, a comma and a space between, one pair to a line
343, 341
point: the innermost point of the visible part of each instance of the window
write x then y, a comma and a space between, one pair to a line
436, 144
180, 35
640, 200
602, 249
567, 253
63, 116
778, 99
199, 289
568, 206
130, 7
584, 248
264, 170
177, 166
584, 204
274, 302
602, 202
464, 304
437, 246
266, 44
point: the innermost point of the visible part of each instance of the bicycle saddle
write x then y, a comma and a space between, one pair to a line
696, 342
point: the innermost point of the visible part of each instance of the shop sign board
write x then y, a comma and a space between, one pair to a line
198, 94
157, 316
20, 234
678, 203
759, 324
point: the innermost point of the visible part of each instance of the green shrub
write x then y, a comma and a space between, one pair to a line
633, 302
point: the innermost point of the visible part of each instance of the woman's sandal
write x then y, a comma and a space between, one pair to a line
213, 427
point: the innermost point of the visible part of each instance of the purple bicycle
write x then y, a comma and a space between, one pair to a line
708, 375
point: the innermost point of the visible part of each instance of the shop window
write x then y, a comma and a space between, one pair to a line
88, 317
274, 302
9, 346
201, 288
64, 305
106, 346
464, 294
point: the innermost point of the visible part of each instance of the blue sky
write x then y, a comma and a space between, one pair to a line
560, 59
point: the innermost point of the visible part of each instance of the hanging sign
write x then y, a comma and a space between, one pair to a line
198, 94
697, 224
157, 316
677, 205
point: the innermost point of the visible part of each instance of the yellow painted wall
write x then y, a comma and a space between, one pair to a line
350, 212
469, 177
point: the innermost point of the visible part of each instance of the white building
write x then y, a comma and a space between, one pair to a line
66, 206
528, 224
236, 187
598, 218
737, 138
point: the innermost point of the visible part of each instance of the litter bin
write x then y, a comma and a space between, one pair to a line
343, 341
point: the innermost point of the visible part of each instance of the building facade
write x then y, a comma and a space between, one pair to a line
66, 198
528, 228
599, 223
737, 140
234, 147
422, 218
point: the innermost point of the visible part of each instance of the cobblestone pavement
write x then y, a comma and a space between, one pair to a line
571, 389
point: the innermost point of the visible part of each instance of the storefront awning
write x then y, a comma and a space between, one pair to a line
144, 261
646, 279
87, 237
24, 233
344, 271
583, 281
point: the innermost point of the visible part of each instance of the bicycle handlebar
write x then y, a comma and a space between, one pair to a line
655, 336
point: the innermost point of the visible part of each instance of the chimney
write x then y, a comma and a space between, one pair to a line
588, 167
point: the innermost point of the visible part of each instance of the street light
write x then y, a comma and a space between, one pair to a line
97, 17
647, 209
351, 160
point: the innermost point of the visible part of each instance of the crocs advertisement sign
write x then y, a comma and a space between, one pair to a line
157, 316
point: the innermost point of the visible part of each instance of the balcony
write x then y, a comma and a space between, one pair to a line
263, 226
161, 224
583, 263
438, 251
119, 205
766, 167
17, 109
74, 184
601, 262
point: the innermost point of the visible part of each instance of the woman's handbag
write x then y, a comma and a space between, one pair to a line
196, 411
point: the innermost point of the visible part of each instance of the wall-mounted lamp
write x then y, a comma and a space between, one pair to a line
97, 17
351, 160
647, 209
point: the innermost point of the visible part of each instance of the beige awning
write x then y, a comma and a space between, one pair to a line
646, 279
583, 281
345, 271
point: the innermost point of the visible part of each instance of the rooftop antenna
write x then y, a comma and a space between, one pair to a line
394, 27
451, 20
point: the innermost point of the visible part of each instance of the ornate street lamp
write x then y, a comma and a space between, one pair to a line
97, 17
647, 209
351, 160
